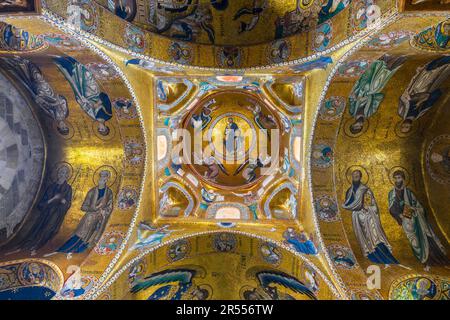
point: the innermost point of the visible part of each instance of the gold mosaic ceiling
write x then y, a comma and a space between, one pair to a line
358, 178
220, 22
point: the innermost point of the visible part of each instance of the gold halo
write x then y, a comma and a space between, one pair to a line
58, 165
109, 137
112, 171
365, 175
71, 130
243, 289
393, 169
349, 122
208, 288
305, 4
414, 128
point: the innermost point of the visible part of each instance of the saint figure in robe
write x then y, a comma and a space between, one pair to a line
97, 206
94, 102
372, 240
423, 91
410, 215
366, 95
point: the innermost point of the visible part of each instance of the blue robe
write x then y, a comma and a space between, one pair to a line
85, 88
306, 247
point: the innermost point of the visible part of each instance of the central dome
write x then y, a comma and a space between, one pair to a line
219, 22
229, 128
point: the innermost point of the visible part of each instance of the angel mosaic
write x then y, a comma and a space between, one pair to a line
275, 285
249, 167
149, 236
177, 284
264, 121
254, 12
213, 167
300, 242
201, 121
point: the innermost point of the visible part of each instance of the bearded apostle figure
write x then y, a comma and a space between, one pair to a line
423, 91
95, 103
97, 206
410, 214
366, 222
366, 95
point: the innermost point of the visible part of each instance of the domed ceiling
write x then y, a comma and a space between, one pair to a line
222, 34
225, 22
22, 154
268, 150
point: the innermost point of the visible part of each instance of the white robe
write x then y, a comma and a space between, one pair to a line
366, 220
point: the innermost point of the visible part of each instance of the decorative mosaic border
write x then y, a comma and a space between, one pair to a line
250, 235
376, 30
61, 21
61, 25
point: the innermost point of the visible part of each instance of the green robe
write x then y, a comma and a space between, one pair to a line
421, 236
366, 96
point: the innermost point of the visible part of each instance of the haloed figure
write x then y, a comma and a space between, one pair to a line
95, 103
366, 95
232, 137
410, 214
52, 209
97, 207
423, 91
366, 222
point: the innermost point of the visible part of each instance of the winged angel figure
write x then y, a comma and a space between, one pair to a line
269, 283
177, 285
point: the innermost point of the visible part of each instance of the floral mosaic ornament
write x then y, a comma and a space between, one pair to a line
62, 41
389, 40
435, 38
353, 68
102, 71
13, 39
